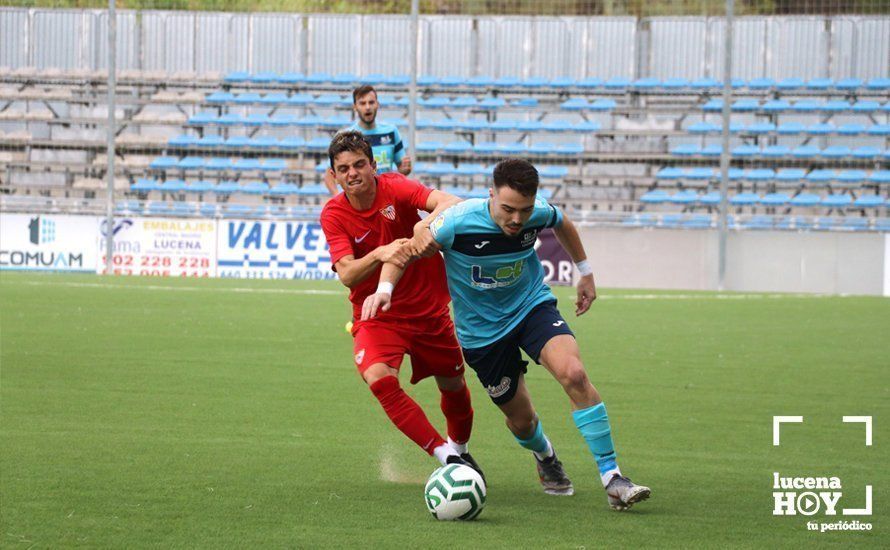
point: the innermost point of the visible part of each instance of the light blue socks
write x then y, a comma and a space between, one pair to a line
537, 443
593, 423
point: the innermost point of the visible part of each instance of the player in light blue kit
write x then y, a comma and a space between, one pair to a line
386, 142
502, 305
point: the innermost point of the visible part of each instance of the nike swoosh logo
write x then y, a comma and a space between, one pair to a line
483, 243
360, 239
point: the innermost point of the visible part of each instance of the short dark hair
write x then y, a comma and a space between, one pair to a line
362, 91
517, 174
349, 140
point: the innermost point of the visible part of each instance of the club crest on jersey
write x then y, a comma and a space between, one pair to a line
529, 237
389, 213
359, 357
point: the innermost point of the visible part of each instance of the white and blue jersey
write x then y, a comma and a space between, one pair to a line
494, 280
386, 144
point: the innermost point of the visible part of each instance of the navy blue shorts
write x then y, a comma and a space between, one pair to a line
499, 364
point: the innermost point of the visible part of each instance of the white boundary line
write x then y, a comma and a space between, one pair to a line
294, 291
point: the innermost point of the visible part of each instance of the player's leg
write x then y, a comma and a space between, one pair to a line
379, 352
561, 357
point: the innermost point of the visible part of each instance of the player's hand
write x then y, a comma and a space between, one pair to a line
395, 253
424, 245
380, 301
405, 166
586, 294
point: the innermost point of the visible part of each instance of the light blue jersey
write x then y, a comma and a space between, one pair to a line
494, 280
386, 144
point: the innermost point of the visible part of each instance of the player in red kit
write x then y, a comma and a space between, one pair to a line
365, 227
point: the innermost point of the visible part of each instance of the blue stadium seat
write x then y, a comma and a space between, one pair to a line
450, 81
237, 76
430, 146
492, 103
854, 224
879, 177
879, 130
335, 122
776, 151
836, 151
276, 98
758, 222
705, 83
549, 171
806, 105
485, 147
511, 148
284, 189
820, 129
529, 125
211, 141
744, 199
443, 124
310, 190
283, 120
711, 198
291, 78
274, 165
671, 220
218, 163
345, 79
827, 223
820, 84
790, 175
480, 82
575, 104
850, 129
745, 105
837, 201
457, 147
236, 211
300, 99
200, 186
562, 82
775, 199
163, 163
569, 149
698, 173
507, 81
713, 105
866, 152
821, 176
602, 105
201, 119
882, 224
869, 201
145, 185
790, 128
644, 219
745, 151
793, 222
264, 77
255, 188
471, 169
657, 196
318, 78
674, 84
759, 174
878, 84
852, 176
648, 83
472, 125
219, 97
761, 83
230, 119
247, 165
867, 107
805, 200
590, 82
686, 197
805, 152
835, 106
318, 144
696, 221
238, 141
617, 83
669, 173
703, 127
247, 98
790, 84
183, 140
256, 119
557, 126
776, 106
329, 100
464, 102
534, 82
435, 102
712, 150
542, 148
848, 84
686, 149
227, 188
292, 143
190, 163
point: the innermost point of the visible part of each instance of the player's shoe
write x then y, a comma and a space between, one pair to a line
624, 493
466, 459
553, 477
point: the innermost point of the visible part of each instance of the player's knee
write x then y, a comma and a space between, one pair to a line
574, 376
377, 372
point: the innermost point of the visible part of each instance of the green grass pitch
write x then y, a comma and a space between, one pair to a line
220, 413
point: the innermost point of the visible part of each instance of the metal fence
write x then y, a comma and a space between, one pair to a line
521, 46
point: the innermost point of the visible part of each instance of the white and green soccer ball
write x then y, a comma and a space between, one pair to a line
455, 492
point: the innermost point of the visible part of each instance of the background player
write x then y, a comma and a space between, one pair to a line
502, 305
386, 142
364, 227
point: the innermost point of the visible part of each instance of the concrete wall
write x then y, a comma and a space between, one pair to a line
757, 261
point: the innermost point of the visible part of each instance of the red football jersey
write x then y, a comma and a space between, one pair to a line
422, 292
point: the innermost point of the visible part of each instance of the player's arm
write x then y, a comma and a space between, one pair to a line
381, 300
567, 235
423, 244
400, 155
353, 271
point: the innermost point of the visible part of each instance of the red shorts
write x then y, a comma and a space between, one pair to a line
430, 343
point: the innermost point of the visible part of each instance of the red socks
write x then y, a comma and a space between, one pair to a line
458, 413
407, 415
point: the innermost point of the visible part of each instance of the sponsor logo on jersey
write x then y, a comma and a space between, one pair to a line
389, 213
500, 389
503, 276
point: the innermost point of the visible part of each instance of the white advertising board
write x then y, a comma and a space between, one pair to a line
250, 249
161, 247
46, 242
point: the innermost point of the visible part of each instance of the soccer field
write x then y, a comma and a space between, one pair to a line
228, 413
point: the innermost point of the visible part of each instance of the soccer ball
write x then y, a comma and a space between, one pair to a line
455, 491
